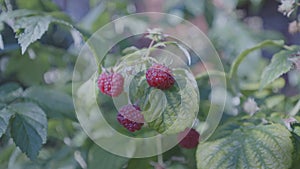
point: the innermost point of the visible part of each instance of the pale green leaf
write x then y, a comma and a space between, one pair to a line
32, 28
278, 66
181, 109
29, 128
263, 146
129, 50
157, 105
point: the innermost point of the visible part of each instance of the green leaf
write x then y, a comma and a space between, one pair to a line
180, 111
9, 92
263, 146
236, 63
157, 105
138, 87
29, 128
144, 163
98, 157
278, 66
32, 29
55, 103
273, 101
296, 141
5, 116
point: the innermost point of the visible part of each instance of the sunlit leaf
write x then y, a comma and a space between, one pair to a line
32, 28
263, 146
278, 66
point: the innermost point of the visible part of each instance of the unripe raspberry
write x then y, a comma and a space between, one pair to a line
130, 117
189, 138
111, 83
160, 76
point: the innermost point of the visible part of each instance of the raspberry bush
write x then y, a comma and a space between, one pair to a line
151, 84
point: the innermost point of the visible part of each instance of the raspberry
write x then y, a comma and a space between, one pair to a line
130, 117
111, 83
189, 138
160, 76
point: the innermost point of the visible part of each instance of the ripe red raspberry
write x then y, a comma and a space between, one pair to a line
189, 138
160, 76
130, 117
111, 83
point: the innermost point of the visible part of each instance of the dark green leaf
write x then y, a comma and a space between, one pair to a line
9, 92
5, 115
56, 103
29, 128
98, 157
263, 146
144, 163
296, 141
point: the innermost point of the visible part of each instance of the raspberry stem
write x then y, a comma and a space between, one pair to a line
160, 160
148, 51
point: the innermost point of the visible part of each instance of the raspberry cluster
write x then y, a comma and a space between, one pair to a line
112, 84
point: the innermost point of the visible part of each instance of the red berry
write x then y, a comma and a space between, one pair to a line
111, 83
189, 138
160, 76
130, 117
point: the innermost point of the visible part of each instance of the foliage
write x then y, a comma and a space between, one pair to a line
38, 125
